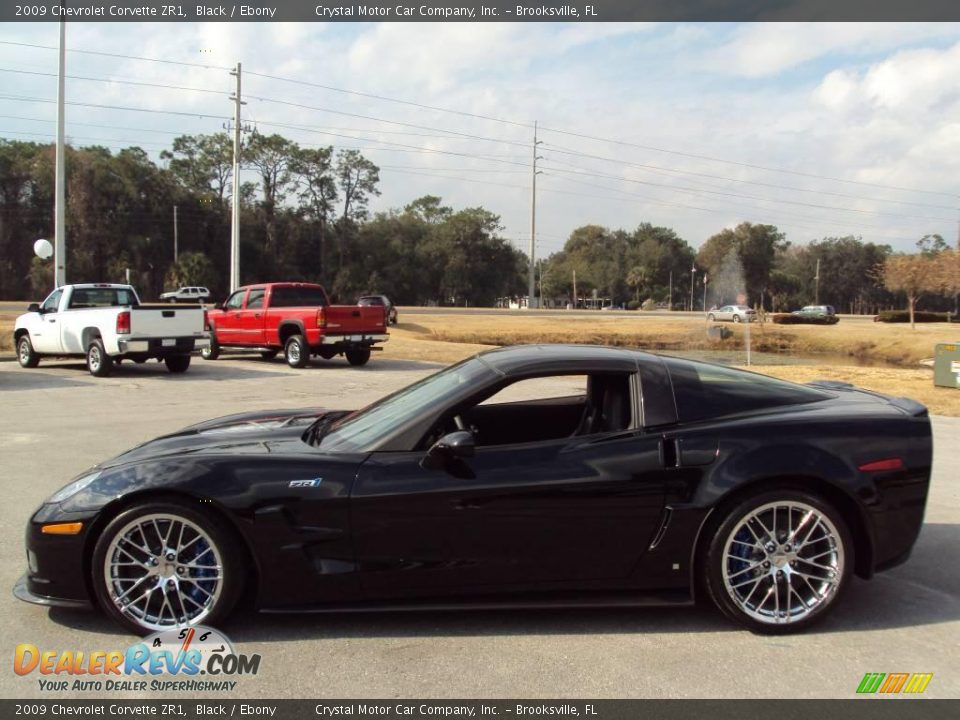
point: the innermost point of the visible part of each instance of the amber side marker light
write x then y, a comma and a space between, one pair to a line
883, 465
62, 529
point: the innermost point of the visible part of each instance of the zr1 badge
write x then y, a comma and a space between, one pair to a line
306, 483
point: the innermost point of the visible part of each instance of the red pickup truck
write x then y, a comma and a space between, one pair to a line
296, 318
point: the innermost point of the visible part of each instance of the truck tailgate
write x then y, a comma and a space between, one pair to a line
350, 319
165, 321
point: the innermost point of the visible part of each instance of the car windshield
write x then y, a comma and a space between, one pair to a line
358, 430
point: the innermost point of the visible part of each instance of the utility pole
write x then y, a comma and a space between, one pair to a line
704, 291
670, 302
531, 300
175, 233
816, 287
60, 191
575, 290
235, 214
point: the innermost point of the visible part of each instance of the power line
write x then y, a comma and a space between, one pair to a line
116, 55
202, 116
694, 191
566, 151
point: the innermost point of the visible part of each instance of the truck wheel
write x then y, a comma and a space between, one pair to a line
269, 354
358, 356
25, 353
211, 351
296, 351
177, 363
98, 362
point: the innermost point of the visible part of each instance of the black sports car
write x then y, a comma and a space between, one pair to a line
650, 480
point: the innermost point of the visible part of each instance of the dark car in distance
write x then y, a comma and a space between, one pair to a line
380, 301
652, 480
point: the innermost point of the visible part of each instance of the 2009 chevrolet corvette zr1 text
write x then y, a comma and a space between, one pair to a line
652, 480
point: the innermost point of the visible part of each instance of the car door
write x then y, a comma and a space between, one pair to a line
251, 318
45, 331
554, 514
228, 324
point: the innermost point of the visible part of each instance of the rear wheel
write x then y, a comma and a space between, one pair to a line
358, 356
269, 354
26, 355
177, 363
211, 351
778, 561
296, 351
98, 362
164, 564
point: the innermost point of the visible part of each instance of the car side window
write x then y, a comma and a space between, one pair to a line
52, 302
235, 301
255, 299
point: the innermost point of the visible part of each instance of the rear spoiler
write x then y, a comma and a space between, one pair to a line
911, 407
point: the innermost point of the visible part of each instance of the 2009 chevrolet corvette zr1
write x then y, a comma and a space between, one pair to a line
650, 480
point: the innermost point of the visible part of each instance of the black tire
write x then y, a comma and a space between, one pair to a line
736, 318
269, 354
296, 351
98, 362
26, 355
177, 363
211, 351
358, 356
219, 535
711, 318
731, 582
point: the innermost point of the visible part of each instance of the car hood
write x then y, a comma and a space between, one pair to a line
255, 433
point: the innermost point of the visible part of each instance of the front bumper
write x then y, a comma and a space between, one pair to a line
161, 347
57, 573
21, 591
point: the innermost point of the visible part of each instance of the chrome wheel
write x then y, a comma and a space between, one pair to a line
162, 570
783, 562
25, 351
95, 359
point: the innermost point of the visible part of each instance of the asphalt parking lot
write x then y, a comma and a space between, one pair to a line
57, 420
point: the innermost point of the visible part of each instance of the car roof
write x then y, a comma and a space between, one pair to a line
524, 359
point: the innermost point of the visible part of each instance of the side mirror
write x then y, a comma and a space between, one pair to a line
33, 307
451, 447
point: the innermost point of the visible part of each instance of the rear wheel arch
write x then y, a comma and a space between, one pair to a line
289, 329
842, 502
251, 580
88, 335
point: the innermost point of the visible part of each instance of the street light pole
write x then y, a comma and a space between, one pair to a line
60, 190
693, 284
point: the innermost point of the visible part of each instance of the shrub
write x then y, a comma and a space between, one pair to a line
791, 319
903, 316
633, 305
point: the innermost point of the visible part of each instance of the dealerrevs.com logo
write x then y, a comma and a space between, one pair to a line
894, 683
172, 660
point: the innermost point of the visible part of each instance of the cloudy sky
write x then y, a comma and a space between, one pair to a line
821, 129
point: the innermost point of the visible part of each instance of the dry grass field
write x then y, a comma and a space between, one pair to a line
447, 338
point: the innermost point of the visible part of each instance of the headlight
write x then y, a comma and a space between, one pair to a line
73, 488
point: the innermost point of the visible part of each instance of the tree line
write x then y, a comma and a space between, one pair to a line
306, 217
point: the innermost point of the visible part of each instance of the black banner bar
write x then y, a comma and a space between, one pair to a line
859, 709
472, 11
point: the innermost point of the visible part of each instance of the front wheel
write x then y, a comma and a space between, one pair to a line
26, 355
358, 356
778, 561
164, 564
212, 350
177, 363
296, 351
98, 362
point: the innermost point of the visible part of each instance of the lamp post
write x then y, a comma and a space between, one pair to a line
693, 284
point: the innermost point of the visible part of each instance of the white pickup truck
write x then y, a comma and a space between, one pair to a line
106, 323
